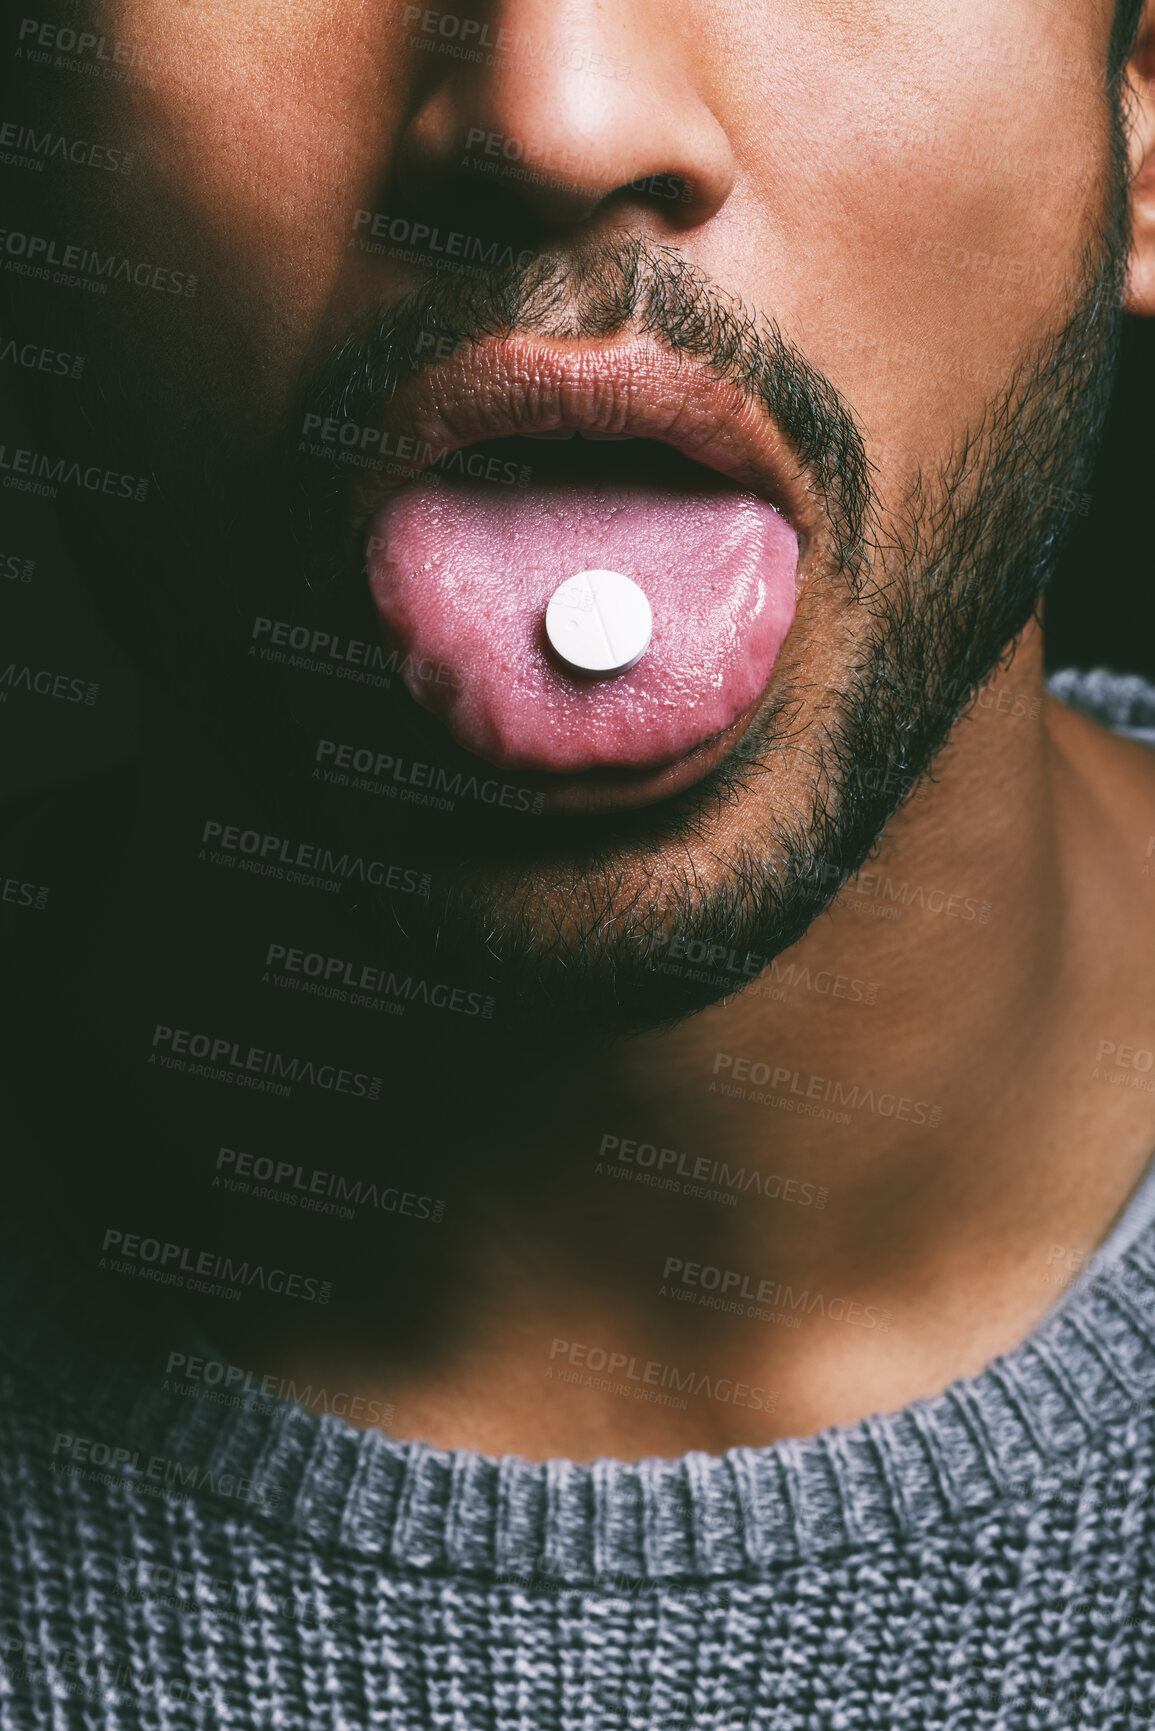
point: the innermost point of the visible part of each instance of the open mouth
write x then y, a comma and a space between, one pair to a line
593, 588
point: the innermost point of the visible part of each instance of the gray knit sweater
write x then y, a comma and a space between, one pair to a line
226, 1559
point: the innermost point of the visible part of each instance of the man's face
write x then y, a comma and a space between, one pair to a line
847, 275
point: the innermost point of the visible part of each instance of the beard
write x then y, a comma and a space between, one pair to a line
570, 923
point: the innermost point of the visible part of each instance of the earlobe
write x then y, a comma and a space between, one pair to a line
1140, 298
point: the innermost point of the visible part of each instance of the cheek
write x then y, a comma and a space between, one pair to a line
254, 143
922, 211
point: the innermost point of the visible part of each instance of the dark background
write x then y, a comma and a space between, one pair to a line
1100, 608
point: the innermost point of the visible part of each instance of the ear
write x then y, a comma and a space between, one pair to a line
1141, 79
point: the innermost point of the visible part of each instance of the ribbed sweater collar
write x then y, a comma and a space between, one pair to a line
1023, 1424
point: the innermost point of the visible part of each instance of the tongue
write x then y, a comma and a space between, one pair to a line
462, 573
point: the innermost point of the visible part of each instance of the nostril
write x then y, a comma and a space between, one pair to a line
533, 155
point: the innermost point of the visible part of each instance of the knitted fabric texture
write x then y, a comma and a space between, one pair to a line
194, 1553
980, 1559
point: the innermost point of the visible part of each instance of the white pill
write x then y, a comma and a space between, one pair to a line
599, 622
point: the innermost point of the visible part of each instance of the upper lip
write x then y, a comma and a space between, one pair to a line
503, 387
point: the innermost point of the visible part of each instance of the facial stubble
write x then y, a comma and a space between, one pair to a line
573, 925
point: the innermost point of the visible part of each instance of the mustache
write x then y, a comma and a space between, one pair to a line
619, 287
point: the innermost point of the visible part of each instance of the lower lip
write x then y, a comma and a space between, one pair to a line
596, 791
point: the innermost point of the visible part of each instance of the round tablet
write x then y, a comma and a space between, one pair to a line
599, 622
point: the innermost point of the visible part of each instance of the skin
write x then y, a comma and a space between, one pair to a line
821, 151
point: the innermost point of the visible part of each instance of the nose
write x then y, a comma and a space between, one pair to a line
565, 108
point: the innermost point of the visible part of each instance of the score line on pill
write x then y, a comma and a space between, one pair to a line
599, 622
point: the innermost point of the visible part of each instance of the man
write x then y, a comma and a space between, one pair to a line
612, 973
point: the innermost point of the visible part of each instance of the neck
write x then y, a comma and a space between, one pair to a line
834, 1191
